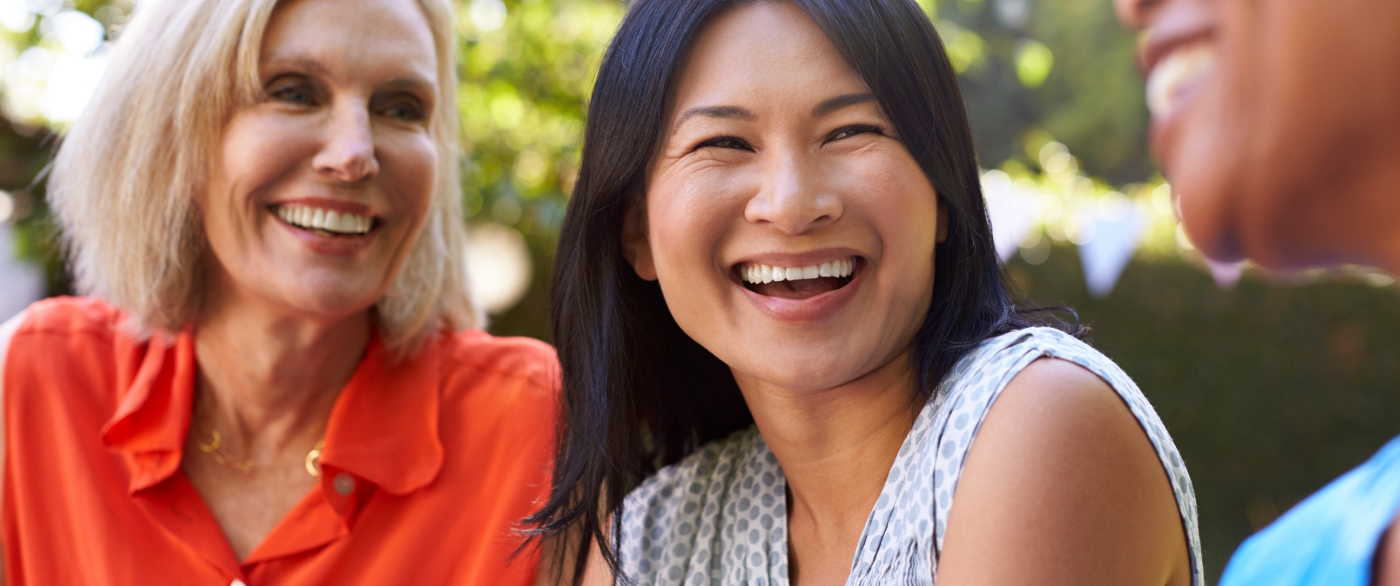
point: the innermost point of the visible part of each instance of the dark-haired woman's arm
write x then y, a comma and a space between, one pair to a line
1062, 487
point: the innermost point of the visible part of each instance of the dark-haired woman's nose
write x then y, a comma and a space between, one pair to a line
794, 198
347, 156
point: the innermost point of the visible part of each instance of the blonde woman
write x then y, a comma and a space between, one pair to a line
274, 378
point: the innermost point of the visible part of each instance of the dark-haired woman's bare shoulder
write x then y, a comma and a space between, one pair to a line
1063, 486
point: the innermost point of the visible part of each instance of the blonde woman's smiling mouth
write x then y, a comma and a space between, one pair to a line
333, 222
800, 288
328, 226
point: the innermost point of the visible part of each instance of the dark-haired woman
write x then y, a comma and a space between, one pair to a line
776, 283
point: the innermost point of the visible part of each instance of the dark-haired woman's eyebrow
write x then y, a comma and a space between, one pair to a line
730, 112
830, 105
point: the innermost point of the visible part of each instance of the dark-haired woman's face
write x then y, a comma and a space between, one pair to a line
790, 230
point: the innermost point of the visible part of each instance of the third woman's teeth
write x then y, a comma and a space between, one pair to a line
1173, 77
323, 219
760, 274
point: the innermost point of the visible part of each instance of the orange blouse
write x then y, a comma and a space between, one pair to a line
427, 468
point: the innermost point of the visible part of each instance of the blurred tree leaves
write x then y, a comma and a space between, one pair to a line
1065, 67
527, 69
524, 82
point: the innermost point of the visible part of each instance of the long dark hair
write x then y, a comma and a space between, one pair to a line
638, 392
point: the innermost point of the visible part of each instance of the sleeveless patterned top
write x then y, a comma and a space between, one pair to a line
719, 516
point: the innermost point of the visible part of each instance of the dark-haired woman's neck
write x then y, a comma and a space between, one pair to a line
836, 447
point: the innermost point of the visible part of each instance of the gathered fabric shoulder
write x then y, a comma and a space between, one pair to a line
719, 515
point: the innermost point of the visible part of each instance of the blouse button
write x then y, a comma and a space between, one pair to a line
237, 582
344, 484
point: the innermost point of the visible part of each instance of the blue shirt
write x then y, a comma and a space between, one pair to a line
1331, 537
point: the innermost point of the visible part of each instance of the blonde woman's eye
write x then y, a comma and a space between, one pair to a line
292, 93
406, 111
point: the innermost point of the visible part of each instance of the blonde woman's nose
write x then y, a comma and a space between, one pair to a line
348, 153
793, 198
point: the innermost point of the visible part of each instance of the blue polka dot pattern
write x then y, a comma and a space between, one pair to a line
719, 517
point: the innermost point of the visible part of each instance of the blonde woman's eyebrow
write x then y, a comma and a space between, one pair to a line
302, 64
412, 84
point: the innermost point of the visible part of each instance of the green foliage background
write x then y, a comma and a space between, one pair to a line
1270, 388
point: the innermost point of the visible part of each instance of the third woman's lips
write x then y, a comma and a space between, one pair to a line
1177, 76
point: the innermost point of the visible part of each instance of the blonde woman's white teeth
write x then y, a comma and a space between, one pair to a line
824, 270
809, 272
793, 274
322, 219
779, 274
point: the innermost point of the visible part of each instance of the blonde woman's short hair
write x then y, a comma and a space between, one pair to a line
124, 181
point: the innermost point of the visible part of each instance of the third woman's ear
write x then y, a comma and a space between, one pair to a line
636, 243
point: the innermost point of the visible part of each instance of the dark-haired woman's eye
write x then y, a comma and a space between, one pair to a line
725, 142
292, 91
849, 131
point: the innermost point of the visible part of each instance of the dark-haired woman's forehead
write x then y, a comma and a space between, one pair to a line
764, 60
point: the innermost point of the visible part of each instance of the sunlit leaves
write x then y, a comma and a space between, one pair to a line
524, 82
1033, 62
965, 48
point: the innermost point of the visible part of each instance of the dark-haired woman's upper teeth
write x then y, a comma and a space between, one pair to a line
759, 273
331, 221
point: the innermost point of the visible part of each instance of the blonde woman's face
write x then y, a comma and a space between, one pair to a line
320, 188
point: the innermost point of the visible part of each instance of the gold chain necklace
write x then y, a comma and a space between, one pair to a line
215, 441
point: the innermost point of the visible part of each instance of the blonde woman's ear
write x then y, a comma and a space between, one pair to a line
636, 243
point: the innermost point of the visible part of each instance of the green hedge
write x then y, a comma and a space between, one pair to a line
1269, 389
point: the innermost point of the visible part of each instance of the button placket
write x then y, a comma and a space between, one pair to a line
344, 484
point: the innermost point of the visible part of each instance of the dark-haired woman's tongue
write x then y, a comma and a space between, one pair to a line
802, 289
